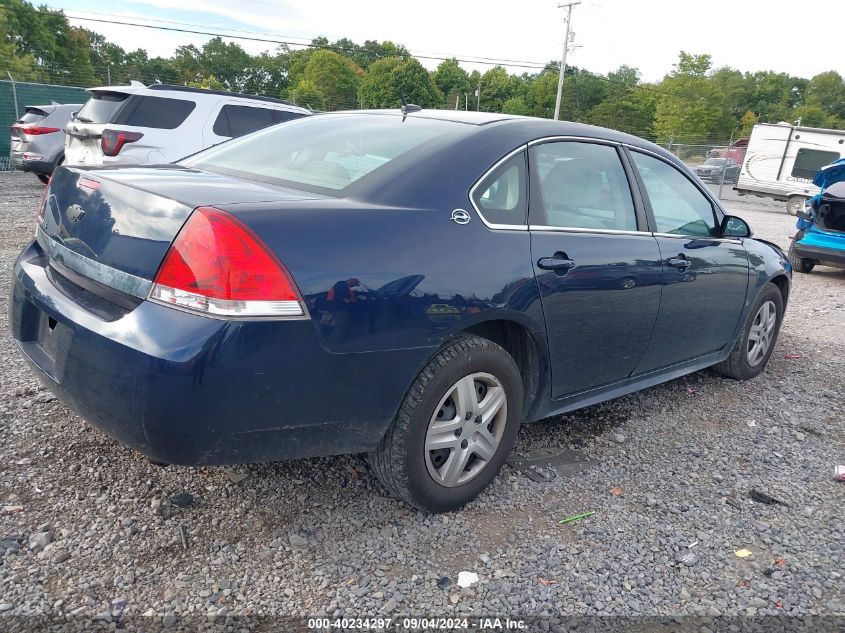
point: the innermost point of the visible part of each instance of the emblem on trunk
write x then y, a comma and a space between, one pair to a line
74, 213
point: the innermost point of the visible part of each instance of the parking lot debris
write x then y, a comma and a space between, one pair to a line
12, 509
791, 356
547, 582
444, 583
762, 497
545, 464
743, 553
467, 578
616, 491
182, 500
839, 471
184, 536
234, 476
576, 517
687, 556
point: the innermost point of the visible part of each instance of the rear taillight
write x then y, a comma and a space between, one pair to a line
217, 266
112, 141
35, 130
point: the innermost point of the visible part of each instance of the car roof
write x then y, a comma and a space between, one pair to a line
137, 87
456, 116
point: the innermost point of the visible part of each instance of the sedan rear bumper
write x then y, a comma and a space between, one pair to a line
827, 256
186, 389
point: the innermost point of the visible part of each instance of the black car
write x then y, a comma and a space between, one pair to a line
711, 170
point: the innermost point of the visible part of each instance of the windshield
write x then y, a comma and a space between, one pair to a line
715, 161
101, 107
322, 153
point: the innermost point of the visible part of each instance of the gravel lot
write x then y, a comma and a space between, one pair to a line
672, 466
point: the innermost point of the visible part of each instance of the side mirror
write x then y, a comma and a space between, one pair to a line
732, 226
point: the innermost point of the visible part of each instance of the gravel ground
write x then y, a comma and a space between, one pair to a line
90, 530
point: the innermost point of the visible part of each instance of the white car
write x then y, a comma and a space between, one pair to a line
147, 125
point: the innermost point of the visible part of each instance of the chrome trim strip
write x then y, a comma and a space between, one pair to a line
106, 275
491, 225
583, 139
574, 229
733, 240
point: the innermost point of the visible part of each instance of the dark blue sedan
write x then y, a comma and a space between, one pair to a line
410, 285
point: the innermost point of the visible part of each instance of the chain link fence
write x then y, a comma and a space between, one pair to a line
15, 96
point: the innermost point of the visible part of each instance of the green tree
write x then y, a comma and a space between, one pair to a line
690, 108
393, 77
452, 81
515, 105
629, 106
330, 80
827, 91
746, 123
226, 61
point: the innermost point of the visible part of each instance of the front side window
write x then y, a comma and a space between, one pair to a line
679, 207
583, 185
809, 161
502, 196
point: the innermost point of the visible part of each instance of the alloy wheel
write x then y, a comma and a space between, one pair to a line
466, 429
760, 336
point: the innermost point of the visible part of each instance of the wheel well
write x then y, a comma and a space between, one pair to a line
518, 342
783, 285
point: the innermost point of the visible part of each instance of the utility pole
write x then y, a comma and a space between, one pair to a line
478, 98
568, 8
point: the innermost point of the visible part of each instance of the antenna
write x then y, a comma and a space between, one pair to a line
407, 107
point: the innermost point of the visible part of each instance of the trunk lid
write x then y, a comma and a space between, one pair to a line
115, 225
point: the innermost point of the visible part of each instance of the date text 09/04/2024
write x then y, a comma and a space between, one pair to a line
417, 624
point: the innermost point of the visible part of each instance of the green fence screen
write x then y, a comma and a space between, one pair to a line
29, 94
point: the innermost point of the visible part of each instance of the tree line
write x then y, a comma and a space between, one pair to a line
694, 103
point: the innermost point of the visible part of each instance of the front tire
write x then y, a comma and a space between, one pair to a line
799, 264
755, 344
455, 427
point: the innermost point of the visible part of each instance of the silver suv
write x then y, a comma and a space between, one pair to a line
38, 138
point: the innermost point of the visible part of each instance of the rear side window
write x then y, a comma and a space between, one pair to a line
583, 185
809, 161
154, 112
235, 120
502, 197
101, 107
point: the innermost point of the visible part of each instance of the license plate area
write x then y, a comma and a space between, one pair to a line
47, 337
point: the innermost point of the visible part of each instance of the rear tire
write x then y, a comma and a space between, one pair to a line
799, 264
795, 204
755, 344
467, 404
43, 178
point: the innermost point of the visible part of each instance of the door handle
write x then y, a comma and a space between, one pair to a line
560, 263
680, 261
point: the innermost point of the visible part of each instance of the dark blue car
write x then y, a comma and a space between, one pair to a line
408, 285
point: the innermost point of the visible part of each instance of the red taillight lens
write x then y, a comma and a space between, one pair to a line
112, 141
217, 266
35, 130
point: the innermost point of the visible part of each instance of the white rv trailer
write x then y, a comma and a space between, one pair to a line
782, 159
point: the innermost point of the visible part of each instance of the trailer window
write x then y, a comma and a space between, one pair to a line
809, 161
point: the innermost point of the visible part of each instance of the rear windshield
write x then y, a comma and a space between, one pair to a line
101, 107
324, 152
154, 112
31, 116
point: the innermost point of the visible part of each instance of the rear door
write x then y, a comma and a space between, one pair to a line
596, 263
83, 133
705, 276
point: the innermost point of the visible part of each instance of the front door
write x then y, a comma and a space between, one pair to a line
705, 276
597, 266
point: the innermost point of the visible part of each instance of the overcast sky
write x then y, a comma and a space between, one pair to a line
791, 37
